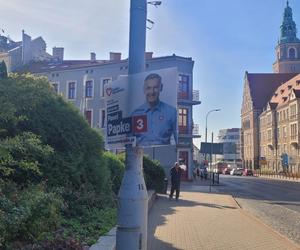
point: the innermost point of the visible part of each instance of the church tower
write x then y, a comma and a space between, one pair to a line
288, 47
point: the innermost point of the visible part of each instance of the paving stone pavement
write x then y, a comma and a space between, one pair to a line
208, 221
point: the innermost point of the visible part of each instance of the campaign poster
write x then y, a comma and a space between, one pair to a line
142, 109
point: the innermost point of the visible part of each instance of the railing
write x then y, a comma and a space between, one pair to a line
196, 129
189, 130
185, 96
293, 117
196, 96
182, 95
294, 138
277, 175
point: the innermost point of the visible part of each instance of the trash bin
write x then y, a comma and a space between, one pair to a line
165, 185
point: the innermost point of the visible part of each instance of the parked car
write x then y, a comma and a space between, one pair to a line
247, 172
236, 171
226, 170
239, 171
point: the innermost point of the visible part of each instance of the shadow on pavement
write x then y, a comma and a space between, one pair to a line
157, 218
164, 207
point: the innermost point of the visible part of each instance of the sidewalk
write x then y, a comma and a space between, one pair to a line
203, 220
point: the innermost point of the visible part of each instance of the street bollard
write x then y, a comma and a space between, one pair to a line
165, 185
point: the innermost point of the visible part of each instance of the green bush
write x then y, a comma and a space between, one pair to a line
116, 168
154, 175
28, 214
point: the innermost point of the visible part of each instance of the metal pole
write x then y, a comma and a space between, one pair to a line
206, 125
206, 132
133, 197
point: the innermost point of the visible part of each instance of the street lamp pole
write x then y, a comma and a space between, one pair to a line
133, 197
213, 110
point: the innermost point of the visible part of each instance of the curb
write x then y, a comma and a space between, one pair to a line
108, 241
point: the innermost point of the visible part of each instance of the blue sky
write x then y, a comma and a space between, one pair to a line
224, 37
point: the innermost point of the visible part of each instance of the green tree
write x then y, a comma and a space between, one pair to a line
77, 162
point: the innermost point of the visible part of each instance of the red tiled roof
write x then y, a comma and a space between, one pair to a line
285, 89
263, 85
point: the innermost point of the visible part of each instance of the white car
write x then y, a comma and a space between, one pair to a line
236, 171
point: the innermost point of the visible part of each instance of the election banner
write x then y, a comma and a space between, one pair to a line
141, 109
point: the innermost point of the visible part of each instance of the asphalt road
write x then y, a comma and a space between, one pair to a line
275, 202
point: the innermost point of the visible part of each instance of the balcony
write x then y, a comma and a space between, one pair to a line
270, 143
189, 132
185, 98
294, 117
196, 97
294, 140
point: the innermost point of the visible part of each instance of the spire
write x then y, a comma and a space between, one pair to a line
288, 27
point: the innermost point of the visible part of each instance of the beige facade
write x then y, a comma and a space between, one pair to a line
258, 89
268, 128
279, 129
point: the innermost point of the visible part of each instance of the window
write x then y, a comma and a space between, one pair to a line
284, 132
102, 118
88, 116
269, 134
71, 90
55, 87
183, 88
292, 53
89, 89
269, 119
182, 119
294, 131
104, 82
293, 111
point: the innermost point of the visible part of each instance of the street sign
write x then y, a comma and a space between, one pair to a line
285, 160
214, 148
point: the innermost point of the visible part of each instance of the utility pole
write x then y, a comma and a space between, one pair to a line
133, 197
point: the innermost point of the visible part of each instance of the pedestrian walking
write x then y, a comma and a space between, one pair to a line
198, 172
175, 173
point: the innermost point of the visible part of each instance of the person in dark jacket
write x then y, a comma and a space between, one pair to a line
175, 174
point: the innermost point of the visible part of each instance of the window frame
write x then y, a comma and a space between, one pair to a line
75, 90
85, 112
92, 87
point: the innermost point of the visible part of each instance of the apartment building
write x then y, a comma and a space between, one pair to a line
82, 82
231, 145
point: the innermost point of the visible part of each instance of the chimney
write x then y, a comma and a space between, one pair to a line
93, 56
114, 56
58, 53
148, 55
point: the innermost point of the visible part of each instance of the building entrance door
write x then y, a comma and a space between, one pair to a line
183, 160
